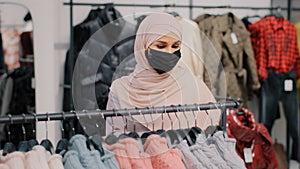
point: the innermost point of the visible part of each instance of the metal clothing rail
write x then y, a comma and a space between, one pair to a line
30, 118
177, 6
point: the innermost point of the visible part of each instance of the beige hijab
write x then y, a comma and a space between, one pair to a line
146, 88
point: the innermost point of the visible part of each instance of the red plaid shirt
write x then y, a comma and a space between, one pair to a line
275, 46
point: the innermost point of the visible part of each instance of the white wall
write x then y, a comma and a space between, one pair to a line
51, 39
9, 18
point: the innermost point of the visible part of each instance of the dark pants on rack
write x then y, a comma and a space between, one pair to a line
272, 92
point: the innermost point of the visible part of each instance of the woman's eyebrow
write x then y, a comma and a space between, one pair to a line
160, 41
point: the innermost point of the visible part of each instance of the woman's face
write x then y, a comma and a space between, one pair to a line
168, 43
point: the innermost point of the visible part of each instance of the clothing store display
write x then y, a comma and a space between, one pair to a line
145, 87
140, 91
251, 136
275, 45
277, 56
231, 40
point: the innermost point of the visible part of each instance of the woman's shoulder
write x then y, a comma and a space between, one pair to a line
122, 81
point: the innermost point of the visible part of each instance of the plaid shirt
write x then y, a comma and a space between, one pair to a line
275, 46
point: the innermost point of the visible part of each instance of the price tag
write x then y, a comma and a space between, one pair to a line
234, 38
288, 85
248, 155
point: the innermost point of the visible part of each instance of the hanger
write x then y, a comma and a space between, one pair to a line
23, 145
194, 131
175, 138
134, 134
63, 143
277, 14
33, 142
165, 134
8, 146
146, 134
96, 140
111, 138
46, 143
73, 127
184, 132
210, 130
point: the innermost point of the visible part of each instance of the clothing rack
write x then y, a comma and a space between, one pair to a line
177, 6
71, 3
30, 118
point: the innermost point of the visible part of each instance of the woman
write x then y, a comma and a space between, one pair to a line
160, 78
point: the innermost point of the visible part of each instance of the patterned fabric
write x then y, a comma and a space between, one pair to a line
161, 156
275, 45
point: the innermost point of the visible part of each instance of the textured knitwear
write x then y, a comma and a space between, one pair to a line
71, 160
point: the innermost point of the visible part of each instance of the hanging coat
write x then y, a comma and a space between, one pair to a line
253, 135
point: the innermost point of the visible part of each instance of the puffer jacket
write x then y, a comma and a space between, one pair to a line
242, 126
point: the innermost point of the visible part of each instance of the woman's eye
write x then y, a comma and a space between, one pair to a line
175, 47
160, 46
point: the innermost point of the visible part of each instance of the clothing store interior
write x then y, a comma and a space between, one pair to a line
82, 85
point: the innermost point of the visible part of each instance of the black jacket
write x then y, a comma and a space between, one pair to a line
97, 53
101, 43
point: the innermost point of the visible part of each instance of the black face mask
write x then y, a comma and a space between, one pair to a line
162, 62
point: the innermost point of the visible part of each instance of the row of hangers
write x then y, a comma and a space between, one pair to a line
96, 141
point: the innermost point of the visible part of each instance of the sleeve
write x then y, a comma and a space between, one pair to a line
251, 65
259, 46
